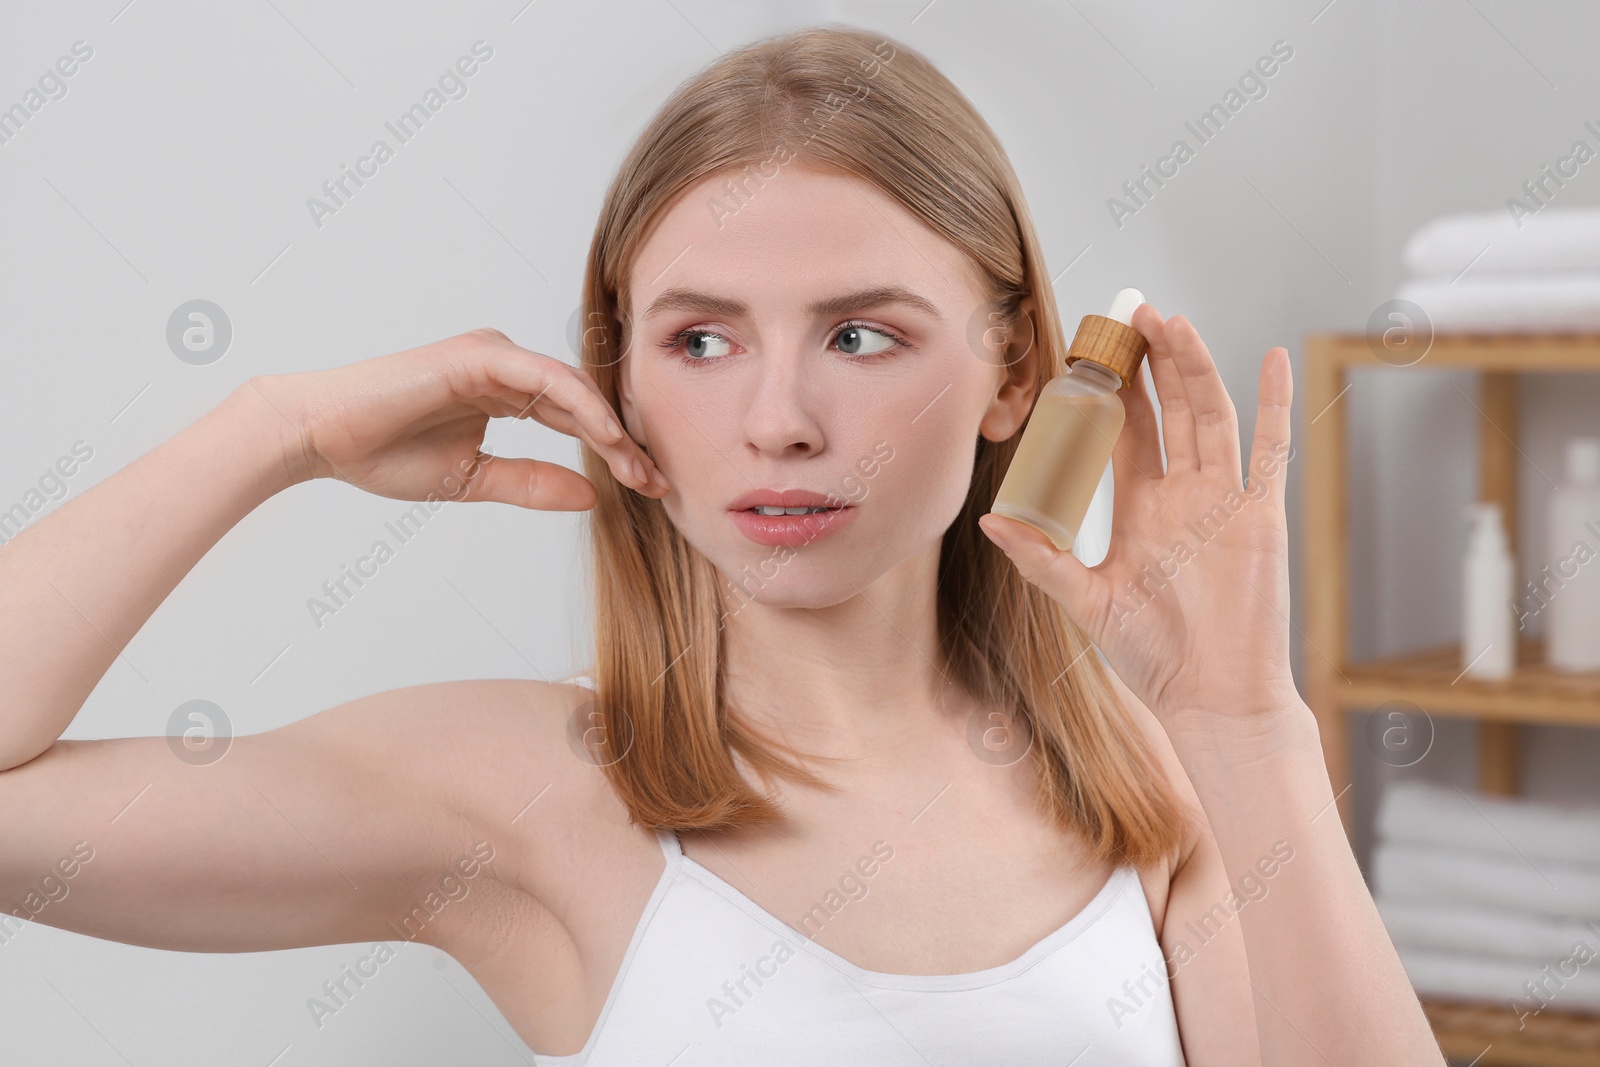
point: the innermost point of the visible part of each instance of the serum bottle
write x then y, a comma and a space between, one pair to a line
1074, 425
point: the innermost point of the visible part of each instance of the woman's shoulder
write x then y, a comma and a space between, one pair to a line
521, 731
514, 752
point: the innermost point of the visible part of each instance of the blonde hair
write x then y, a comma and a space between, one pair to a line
840, 99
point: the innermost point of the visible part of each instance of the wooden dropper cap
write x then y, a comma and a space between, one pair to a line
1110, 341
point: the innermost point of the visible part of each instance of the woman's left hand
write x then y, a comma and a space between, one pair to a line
1191, 604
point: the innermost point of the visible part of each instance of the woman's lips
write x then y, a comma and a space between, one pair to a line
791, 530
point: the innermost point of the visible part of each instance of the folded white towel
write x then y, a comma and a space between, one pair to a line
1512, 827
1403, 870
1565, 983
1508, 303
1554, 239
1492, 933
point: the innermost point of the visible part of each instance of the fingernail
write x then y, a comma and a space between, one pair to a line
611, 425
991, 530
660, 479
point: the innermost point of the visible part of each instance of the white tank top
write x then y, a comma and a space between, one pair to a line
712, 978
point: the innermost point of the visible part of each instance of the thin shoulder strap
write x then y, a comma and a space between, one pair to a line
670, 846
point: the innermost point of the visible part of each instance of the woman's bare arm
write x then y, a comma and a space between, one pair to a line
1200, 934
357, 823
301, 835
323, 829
77, 585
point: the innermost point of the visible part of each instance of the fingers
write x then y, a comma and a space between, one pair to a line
566, 399
1137, 457
1269, 451
1215, 425
1177, 422
529, 483
554, 407
1060, 574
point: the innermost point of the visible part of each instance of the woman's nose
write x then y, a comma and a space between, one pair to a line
781, 414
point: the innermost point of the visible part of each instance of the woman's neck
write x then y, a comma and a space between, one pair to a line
848, 679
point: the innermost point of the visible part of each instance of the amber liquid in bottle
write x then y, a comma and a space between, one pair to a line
1063, 452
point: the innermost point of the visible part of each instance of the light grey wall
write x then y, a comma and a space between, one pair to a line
178, 166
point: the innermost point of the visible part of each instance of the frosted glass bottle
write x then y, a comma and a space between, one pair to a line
1074, 425
1571, 582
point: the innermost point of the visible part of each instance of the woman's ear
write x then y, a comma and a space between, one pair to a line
1018, 376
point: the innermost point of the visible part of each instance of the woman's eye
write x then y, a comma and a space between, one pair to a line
702, 345
863, 341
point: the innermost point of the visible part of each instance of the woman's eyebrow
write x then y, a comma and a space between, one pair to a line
679, 299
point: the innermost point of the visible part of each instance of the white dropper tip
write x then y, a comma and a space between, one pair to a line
1123, 305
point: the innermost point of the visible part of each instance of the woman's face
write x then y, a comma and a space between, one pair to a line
817, 337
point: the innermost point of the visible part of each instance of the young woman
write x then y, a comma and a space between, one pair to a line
838, 787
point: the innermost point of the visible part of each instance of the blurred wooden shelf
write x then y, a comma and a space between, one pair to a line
1431, 678
1511, 352
1489, 1036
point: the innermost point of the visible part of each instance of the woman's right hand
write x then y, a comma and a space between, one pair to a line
411, 424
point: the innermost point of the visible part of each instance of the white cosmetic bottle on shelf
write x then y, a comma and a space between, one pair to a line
1570, 581
1488, 638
